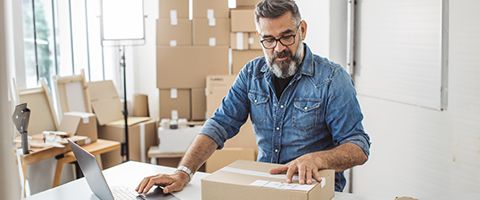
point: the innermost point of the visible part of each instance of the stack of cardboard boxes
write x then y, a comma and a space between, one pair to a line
244, 39
188, 51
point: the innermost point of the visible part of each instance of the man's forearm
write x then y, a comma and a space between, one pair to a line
198, 152
341, 157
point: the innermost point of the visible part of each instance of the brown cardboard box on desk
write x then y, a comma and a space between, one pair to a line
252, 180
107, 106
81, 124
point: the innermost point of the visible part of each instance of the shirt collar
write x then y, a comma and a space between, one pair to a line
306, 67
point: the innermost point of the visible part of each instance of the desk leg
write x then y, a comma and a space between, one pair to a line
58, 173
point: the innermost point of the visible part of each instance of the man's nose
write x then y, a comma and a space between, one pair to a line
279, 47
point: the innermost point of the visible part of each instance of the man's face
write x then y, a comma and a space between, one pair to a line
282, 59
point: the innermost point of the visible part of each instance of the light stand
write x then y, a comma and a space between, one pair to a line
125, 150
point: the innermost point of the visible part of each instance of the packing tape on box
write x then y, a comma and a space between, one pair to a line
212, 22
212, 41
173, 43
256, 173
143, 157
239, 44
173, 17
173, 93
282, 185
251, 40
85, 117
210, 14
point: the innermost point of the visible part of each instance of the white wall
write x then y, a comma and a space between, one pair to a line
425, 153
9, 181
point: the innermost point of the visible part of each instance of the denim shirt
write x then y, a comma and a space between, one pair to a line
318, 110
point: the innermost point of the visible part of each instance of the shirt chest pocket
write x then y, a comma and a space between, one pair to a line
306, 113
259, 107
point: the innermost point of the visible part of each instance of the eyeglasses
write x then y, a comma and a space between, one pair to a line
287, 40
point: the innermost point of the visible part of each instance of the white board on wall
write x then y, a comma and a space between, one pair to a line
399, 51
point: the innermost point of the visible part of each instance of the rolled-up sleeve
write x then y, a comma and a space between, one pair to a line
343, 113
232, 112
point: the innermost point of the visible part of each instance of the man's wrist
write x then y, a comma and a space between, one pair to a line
185, 170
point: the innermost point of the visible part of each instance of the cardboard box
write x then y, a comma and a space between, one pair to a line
140, 105
187, 67
141, 136
210, 9
199, 104
252, 180
250, 3
239, 41
243, 20
217, 89
221, 158
211, 34
170, 7
241, 58
254, 41
81, 124
105, 101
175, 100
174, 141
179, 34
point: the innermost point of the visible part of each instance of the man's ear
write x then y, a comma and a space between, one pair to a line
303, 28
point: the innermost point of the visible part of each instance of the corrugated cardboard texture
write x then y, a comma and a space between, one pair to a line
243, 20
239, 42
199, 104
181, 33
202, 32
187, 67
235, 186
105, 101
181, 103
181, 6
241, 58
226, 156
219, 7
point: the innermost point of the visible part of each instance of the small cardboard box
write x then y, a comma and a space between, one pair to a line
175, 100
226, 156
252, 180
141, 136
254, 41
243, 20
199, 104
241, 58
178, 34
81, 124
250, 3
239, 41
173, 9
187, 67
217, 89
210, 33
210, 9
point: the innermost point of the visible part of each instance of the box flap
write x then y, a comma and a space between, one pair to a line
107, 111
130, 121
69, 124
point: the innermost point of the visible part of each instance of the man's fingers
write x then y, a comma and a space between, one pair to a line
174, 187
316, 175
143, 183
290, 172
279, 170
159, 180
301, 174
309, 176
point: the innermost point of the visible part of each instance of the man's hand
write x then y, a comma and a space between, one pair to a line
305, 167
172, 183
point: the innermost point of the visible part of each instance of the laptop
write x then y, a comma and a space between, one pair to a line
98, 185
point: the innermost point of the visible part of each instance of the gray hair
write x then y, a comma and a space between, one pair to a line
272, 9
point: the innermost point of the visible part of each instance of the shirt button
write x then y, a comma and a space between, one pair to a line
276, 150
306, 108
281, 106
278, 128
255, 101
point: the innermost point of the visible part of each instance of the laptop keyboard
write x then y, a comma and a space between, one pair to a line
124, 193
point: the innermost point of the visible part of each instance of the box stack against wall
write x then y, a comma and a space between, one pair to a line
244, 39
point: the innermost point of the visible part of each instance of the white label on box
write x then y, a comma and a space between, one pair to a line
251, 40
212, 41
173, 17
323, 182
85, 119
282, 186
173, 93
173, 43
210, 13
174, 114
212, 22
239, 44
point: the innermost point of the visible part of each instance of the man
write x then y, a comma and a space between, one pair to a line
303, 107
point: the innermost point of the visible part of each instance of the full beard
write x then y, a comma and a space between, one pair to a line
288, 67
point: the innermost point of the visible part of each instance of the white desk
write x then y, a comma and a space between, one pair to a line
129, 174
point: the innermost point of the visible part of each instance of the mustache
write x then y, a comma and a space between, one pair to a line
282, 54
